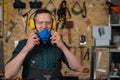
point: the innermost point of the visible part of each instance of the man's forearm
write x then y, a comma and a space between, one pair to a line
73, 61
12, 67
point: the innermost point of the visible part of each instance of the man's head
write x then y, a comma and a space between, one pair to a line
43, 19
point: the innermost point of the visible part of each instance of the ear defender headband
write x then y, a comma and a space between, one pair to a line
40, 11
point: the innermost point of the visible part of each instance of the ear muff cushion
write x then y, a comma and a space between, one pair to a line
54, 24
32, 24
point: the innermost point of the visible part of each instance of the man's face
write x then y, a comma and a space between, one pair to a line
42, 21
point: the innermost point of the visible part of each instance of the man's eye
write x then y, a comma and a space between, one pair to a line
48, 22
40, 22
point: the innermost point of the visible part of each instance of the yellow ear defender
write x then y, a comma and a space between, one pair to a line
54, 24
32, 24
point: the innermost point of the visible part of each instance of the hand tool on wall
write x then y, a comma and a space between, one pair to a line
87, 22
101, 31
53, 10
19, 4
82, 52
83, 36
87, 55
63, 12
69, 25
13, 24
36, 4
74, 11
84, 10
98, 64
113, 7
82, 40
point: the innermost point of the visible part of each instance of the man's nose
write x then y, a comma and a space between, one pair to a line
44, 25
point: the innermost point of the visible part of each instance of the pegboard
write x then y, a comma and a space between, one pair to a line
97, 14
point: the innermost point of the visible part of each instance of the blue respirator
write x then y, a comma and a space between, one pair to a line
44, 35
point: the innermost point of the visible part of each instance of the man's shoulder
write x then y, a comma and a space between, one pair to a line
22, 41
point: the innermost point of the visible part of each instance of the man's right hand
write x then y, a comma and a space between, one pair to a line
32, 41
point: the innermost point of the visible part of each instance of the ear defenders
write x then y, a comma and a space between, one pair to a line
32, 24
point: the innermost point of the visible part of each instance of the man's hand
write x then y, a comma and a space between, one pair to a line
57, 39
32, 41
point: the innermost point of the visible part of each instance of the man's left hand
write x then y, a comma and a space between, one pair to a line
57, 39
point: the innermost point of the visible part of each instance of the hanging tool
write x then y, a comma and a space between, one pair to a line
101, 31
54, 10
87, 22
98, 63
87, 54
113, 7
76, 12
69, 25
36, 4
84, 10
82, 40
83, 36
82, 52
13, 24
63, 12
82, 43
19, 4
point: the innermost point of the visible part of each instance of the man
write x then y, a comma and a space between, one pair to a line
41, 61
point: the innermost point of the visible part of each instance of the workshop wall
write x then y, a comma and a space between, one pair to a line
96, 14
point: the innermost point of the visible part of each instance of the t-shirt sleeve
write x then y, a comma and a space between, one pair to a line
18, 48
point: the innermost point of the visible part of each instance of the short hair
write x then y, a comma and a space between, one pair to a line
40, 11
